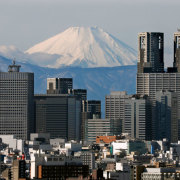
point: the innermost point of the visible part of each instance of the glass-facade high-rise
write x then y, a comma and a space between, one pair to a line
150, 52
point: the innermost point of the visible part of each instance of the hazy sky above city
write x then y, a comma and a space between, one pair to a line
24, 23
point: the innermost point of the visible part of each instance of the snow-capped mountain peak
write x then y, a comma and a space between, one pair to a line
85, 47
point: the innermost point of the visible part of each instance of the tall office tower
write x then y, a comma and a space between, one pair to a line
59, 85
150, 83
16, 102
80, 93
137, 117
166, 113
114, 109
92, 106
150, 52
176, 63
59, 115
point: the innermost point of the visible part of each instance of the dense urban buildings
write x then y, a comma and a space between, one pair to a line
150, 83
16, 102
138, 138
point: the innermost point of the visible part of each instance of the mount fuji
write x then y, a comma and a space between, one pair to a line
82, 47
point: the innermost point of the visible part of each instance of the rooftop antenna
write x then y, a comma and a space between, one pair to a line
14, 67
14, 61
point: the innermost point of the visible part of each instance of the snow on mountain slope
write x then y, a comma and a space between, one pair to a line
84, 47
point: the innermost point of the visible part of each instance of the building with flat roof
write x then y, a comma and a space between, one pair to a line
114, 110
97, 127
59, 115
16, 102
137, 118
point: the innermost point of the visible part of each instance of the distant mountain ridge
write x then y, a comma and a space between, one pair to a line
98, 81
83, 47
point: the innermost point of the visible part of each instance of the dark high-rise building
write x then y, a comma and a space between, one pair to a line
92, 106
59, 85
16, 102
150, 52
84, 117
177, 51
80, 93
59, 115
166, 113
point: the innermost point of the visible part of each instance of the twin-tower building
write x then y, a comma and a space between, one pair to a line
162, 87
153, 113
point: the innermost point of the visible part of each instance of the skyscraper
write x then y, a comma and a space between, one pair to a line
137, 117
114, 109
16, 102
59, 115
166, 113
150, 52
150, 83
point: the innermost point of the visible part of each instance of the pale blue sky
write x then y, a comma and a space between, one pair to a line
24, 23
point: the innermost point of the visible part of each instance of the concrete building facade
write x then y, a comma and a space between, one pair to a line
97, 127
16, 102
137, 118
114, 110
150, 83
